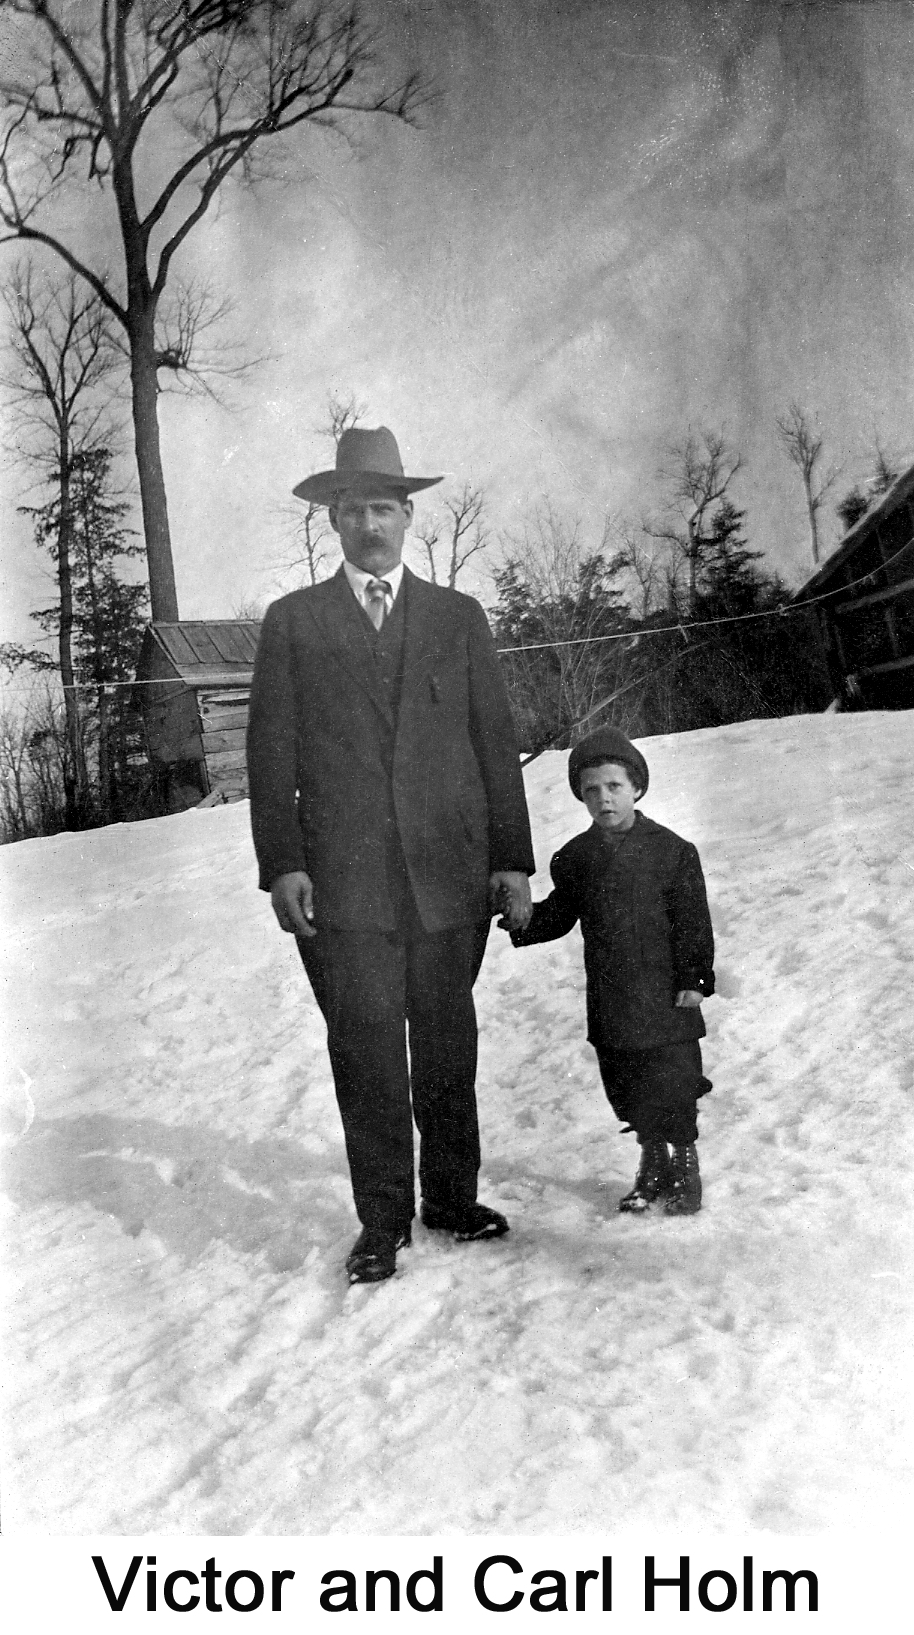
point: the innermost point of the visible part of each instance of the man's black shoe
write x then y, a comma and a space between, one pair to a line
373, 1256
469, 1223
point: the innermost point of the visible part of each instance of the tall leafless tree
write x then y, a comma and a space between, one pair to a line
311, 534
803, 445
15, 733
60, 357
463, 532
34, 764
645, 567
697, 473
426, 539
111, 93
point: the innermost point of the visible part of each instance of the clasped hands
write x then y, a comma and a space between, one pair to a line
509, 896
292, 896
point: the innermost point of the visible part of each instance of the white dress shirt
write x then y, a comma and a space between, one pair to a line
359, 582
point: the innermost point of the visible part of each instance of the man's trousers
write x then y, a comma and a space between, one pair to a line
377, 991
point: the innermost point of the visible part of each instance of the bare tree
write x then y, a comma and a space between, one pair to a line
193, 349
48, 755
250, 609
557, 605
697, 473
468, 530
342, 414
108, 93
15, 731
638, 556
427, 537
465, 533
308, 524
311, 542
803, 446
34, 758
61, 354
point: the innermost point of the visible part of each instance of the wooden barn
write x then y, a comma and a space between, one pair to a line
193, 686
867, 612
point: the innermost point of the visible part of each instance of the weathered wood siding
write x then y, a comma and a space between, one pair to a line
866, 603
169, 714
195, 679
223, 719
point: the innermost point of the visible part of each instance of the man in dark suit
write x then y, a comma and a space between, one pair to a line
390, 822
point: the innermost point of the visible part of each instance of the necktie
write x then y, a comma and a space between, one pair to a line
377, 592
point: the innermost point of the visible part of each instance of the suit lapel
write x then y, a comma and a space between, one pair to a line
419, 647
336, 614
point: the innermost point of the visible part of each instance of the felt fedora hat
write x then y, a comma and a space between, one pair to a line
364, 459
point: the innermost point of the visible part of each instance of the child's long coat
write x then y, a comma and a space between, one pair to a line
647, 932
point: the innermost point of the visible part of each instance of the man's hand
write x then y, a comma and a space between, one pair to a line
291, 896
688, 998
509, 895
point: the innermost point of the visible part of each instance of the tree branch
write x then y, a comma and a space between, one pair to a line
65, 45
73, 262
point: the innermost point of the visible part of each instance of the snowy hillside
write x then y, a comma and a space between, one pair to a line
186, 1355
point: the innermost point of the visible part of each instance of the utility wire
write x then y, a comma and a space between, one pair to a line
783, 611
636, 681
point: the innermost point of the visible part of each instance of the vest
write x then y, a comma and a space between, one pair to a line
387, 650
387, 647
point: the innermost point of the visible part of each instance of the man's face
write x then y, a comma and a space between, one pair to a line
371, 527
609, 795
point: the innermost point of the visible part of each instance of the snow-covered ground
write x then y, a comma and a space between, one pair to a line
184, 1355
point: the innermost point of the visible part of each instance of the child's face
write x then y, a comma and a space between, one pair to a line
609, 795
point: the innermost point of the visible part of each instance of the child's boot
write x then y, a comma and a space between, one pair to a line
652, 1181
685, 1191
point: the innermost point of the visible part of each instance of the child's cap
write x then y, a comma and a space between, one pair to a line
606, 744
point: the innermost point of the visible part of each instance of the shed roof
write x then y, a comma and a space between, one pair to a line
901, 490
203, 652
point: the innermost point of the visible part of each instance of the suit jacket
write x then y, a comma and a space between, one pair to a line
646, 927
351, 788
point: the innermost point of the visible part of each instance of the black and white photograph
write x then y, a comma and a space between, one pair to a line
456, 743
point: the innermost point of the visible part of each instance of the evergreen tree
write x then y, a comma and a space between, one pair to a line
728, 583
109, 614
57, 369
858, 500
854, 505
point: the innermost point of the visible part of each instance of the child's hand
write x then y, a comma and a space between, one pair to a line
688, 998
509, 895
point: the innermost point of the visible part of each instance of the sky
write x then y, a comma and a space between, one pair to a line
612, 225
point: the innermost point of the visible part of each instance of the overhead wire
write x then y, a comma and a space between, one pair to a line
684, 626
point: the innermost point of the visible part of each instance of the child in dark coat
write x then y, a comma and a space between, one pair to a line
639, 894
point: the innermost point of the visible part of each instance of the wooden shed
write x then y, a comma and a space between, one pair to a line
193, 687
867, 609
